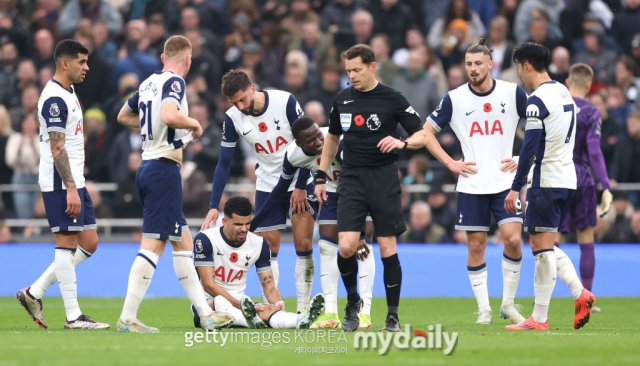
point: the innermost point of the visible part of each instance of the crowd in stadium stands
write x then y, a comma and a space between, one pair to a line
295, 45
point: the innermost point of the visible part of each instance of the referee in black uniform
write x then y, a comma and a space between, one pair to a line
367, 114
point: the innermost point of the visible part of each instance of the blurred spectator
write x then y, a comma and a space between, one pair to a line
102, 210
190, 20
273, 51
617, 104
46, 15
433, 9
386, 69
539, 31
317, 46
95, 149
457, 77
422, 229
501, 46
443, 213
458, 10
635, 49
44, 75
417, 86
626, 70
45, 45
5, 233
6, 199
435, 69
127, 85
413, 39
625, 167
203, 62
126, 201
315, 110
295, 81
635, 228
625, 24
486, 9
300, 14
26, 77
418, 172
241, 33
157, 36
14, 33
206, 149
362, 24
23, 156
455, 42
132, 59
125, 143
336, 20
76, 11
394, 19
601, 59
211, 15
578, 44
9, 63
28, 104
524, 16
560, 64
329, 86
95, 87
619, 219
105, 48
193, 191
508, 10
610, 131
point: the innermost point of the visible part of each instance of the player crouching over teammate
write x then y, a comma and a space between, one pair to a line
223, 256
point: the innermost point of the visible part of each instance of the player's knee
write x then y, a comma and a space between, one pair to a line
90, 245
513, 241
476, 246
303, 244
347, 251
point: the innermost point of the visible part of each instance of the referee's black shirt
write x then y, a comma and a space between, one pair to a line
365, 118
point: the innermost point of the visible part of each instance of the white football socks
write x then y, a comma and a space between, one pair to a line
139, 280
366, 272
567, 273
276, 273
48, 278
66, 274
510, 278
478, 277
223, 305
544, 282
329, 274
305, 269
186, 272
283, 320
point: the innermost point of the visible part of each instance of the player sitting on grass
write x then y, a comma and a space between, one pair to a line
223, 256
306, 153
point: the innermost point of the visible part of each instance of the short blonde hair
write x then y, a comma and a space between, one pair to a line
176, 45
5, 121
580, 74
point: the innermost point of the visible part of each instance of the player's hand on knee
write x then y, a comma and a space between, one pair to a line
510, 202
509, 165
74, 207
462, 167
212, 217
321, 193
299, 202
363, 250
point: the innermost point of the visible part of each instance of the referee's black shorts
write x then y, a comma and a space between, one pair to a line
370, 190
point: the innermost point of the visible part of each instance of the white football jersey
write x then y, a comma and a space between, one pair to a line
231, 263
158, 139
552, 109
268, 133
296, 158
485, 124
59, 111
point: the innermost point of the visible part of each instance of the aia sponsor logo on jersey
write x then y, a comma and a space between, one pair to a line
280, 141
229, 276
476, 128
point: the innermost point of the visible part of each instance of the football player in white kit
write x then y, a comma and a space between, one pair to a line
224, 255
160, 109
306, 153
264, 120
484, 115
66, 201
548, 141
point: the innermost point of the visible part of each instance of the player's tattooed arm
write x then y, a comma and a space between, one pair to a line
269, 288
61, 158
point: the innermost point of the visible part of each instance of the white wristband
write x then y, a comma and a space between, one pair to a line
281, 301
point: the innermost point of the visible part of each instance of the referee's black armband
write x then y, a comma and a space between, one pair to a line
321, 177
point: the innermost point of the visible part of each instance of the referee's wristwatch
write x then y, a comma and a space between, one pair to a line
406, 142
321, 177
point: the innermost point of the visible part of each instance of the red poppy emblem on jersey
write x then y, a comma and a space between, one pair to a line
234, 257
359, 120
318, 161
487, 107
263, 127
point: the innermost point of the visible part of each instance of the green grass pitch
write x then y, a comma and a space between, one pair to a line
611, 338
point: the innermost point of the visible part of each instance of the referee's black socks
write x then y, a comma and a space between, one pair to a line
349, 270
392, 282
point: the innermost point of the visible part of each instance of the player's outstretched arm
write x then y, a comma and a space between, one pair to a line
432, 144
207, 277
61, 162
329, 151
270, 290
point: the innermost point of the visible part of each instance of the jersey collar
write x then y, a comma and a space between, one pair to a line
56, 81
227, 240
266, 104
549, 82
483, 94
306, 152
